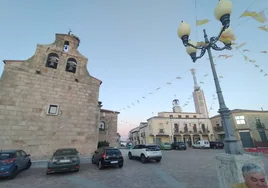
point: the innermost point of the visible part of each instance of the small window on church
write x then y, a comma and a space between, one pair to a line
52, 60
187, 116
71, 65
102, 126
66, 46
53, 109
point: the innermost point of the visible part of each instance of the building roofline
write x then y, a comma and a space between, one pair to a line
97, 79
181, 112
109, 111
12, 61
241, 110
159, 117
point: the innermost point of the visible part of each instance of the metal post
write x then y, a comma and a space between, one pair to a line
232, 146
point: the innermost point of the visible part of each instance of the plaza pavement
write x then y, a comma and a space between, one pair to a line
180, 169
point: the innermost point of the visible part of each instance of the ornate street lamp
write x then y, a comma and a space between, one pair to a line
222, 13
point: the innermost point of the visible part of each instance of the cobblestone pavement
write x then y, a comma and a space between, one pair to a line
180, 169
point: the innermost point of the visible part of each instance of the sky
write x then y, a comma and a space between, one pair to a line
133, 47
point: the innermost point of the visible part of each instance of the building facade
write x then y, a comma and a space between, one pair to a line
250, 127
187, 127
50, 101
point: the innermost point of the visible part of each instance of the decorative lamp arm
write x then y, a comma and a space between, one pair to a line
203, 51
217, 48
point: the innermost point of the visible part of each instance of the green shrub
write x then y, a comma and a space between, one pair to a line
103, 144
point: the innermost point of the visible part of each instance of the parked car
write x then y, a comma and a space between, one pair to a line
108, 156
145, 153
202, 144
216, 145
165, 146
12, 162
179, 146
64, 160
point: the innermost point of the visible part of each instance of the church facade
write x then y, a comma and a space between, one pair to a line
50, 101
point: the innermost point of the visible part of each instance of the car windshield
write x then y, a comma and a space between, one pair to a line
4, 156
65, 152
113, 152
152, 148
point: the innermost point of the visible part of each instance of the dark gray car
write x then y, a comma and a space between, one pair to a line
65, 159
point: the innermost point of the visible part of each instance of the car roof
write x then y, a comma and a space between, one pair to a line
9, 151
66, 149
107, 147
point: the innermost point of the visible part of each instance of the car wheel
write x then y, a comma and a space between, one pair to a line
29, 164
143, 159
184, 148
121, 165
92, 160
158, 160
129, 155
100, 166
77, 170
13, 174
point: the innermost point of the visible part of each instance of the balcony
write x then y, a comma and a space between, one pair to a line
218, 129
161, 132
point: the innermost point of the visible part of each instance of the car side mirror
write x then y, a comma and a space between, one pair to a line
28, 155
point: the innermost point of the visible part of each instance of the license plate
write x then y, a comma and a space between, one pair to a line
113, 162
65, 161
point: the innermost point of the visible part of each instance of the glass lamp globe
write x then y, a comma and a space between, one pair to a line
189, 49
184, 31
223, 11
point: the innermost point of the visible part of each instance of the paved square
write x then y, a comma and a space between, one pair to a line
180, 169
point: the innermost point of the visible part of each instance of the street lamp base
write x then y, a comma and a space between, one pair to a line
231, 146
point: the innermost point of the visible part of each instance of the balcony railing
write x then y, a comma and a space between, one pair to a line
218, 129
161, 131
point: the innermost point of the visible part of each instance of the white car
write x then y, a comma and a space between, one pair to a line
202, 144
145, 153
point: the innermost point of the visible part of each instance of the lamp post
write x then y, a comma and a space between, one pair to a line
222, 13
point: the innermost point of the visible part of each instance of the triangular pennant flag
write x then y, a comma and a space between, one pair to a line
228, 56
205, 75
178, 77
221, 56
261, 70
138, 101
201, 82
157, 88
252, 61
201, 22
169, 83
241, 45
257, 66
143, 97
220, 76
264, 28
133, 104
264, 52
246, 58
246, 50
260, 17
265, 74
